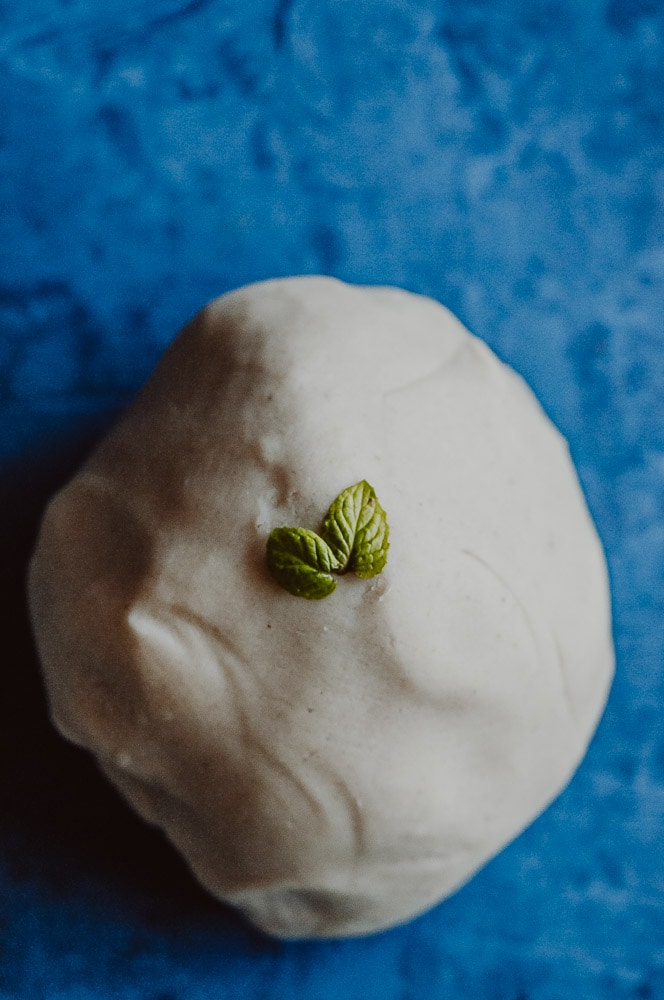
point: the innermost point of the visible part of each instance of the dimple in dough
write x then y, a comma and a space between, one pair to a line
330, 767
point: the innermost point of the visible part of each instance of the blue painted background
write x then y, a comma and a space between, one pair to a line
506, 158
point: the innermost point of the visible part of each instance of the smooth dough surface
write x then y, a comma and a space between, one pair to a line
330, 767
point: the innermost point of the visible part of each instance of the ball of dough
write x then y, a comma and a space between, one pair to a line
329, 767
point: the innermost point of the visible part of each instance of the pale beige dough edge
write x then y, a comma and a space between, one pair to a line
331, 768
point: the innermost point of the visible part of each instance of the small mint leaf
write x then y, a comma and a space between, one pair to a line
341, 520
355, 528
301, 562
372, 540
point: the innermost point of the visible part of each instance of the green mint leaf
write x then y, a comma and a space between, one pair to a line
372, 540
301, 562
356, 530
341, 520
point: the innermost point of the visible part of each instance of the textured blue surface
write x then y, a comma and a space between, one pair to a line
506, 158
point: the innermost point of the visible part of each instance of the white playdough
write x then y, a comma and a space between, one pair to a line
330, 767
